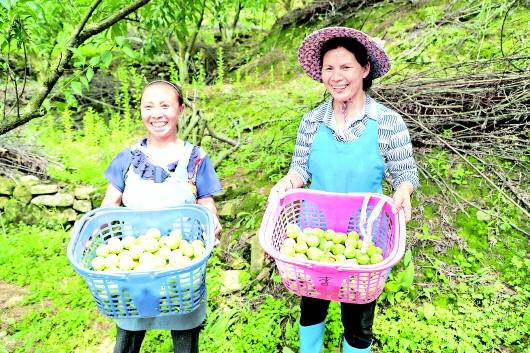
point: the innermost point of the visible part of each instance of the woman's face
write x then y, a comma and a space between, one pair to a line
160, 110
342, 74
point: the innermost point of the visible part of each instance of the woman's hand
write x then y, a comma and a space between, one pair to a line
288, 182
210, 205
216, 227
402, 199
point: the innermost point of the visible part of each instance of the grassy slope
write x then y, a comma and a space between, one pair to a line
471, 275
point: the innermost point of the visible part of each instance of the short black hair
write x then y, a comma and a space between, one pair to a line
176, 87
354, 47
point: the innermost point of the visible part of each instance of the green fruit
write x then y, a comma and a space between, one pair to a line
359, 244
339, 238
350, 252
353, 235
337, 249
314, 254
308, 230
289, 242
376, 258
323, 245
287, 250
319, 232
371, 250
300, 256
340, 258
350, 243
330, 234
363, 259
292, 230
301, 247
312, 240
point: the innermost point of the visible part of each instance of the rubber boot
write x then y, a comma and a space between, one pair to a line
346, 348
311, 338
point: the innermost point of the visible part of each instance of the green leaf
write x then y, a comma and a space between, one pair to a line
428, 310
483, 216
89, 74
392, 286
106, 59
408, 277
70, 99
94, 61
128, 51
77, 87
84, 81
407, 258
120, 40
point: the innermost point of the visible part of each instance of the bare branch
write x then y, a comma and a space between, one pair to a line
80, 35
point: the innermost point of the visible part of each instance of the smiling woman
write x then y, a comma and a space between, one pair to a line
161, 171
347, 144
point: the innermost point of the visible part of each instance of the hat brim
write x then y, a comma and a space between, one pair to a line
309, 51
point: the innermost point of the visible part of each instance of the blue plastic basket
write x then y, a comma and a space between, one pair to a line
147, 293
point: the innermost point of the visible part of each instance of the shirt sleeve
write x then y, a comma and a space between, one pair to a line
117, 170
207, 182
400, 162
304, 140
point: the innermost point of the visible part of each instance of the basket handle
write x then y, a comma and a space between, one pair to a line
376, 211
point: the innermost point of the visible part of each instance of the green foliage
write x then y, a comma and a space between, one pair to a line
220, 65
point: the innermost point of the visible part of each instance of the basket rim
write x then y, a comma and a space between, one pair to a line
157, 273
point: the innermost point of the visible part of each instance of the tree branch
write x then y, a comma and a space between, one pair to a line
96, 28
32, 108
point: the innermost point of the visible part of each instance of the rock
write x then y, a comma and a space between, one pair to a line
67, 215
84, 192
57, 200
3, 202
43, 189
82, 206
229, 209
231, 281
6, 186
29, 180
22, 194
257, 256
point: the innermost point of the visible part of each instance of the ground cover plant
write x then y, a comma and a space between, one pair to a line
463, 285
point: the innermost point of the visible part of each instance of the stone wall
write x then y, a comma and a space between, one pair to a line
30, 200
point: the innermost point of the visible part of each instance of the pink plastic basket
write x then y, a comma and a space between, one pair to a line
342, 213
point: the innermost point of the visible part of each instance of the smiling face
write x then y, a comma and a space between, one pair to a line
160, 110
342, 74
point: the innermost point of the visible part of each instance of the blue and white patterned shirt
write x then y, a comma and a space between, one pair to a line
394, 140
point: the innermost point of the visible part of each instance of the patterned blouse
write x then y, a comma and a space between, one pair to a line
394, 140
200, 170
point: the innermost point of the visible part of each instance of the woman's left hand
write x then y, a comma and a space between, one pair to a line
217, 227
402, 199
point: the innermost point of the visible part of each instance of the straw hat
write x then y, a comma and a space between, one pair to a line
309, 51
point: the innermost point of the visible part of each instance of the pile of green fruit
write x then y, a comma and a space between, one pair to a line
147, 252
328, 246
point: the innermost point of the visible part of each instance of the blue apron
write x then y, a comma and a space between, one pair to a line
338, 166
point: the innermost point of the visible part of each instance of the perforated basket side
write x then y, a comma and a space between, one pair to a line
149, 293
341, 212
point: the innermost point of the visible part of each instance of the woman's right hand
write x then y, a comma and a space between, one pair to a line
288, 182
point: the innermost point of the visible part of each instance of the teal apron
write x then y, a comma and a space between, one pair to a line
338, 166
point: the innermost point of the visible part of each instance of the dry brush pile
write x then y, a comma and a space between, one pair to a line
483, 118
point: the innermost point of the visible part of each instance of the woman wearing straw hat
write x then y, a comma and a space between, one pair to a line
162, 171
349, 143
